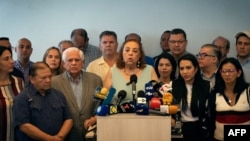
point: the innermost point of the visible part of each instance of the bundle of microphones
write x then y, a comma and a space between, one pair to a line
144, 103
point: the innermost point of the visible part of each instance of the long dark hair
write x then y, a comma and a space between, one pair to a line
200, 88
240, 85
171, 60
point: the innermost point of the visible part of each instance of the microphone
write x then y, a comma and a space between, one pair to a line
126, 107
99, 96
157, 86
133, 81
113, 108
102, 110
141, 107
155, 112
149, 91
141, 99
165, 88
121, 95
167, 98
155, 103
109, 97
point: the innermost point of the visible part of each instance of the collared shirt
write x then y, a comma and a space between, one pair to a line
246, 69
24, 70
90, 54
99, 67
47, 113
77, 88
211, 79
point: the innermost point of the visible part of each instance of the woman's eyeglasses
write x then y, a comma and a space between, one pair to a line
230, 71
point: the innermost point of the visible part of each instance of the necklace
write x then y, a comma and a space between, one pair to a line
134, 72
230, 99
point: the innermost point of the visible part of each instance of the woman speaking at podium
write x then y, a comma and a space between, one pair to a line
130, 62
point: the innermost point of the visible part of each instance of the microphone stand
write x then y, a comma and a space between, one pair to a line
133, 81
134, 92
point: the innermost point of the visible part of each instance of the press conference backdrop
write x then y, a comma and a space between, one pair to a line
47, 22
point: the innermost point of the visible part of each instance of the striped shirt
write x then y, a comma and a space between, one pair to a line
90, 54
7, 94
226, 114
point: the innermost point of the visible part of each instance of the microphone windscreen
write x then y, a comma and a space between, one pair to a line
173, 109
113, 109
165, 88
149, 91
141, 99
155, 103
167, 98
156, 87
109, 97
140, 94
141, 109
102, 110
101, 94
122, 94
126, 107
133, 78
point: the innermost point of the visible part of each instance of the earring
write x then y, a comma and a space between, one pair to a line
138, 64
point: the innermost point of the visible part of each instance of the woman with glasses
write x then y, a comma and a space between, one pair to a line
229, 101
191, 93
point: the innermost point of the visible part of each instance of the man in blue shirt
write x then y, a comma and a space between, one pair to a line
41, 112
24, 50
80, 39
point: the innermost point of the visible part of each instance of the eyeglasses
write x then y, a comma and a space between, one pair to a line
203, 55
230, 71
179, 42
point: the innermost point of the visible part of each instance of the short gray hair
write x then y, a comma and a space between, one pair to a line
71, 49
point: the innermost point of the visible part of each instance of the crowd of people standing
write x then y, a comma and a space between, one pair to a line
52, 99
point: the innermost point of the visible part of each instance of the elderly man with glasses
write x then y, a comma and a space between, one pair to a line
209, 59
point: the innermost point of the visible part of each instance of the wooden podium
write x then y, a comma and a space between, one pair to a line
132, 127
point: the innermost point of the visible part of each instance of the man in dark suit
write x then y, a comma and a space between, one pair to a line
78, 87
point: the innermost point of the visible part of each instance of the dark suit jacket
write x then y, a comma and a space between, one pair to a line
79, 115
